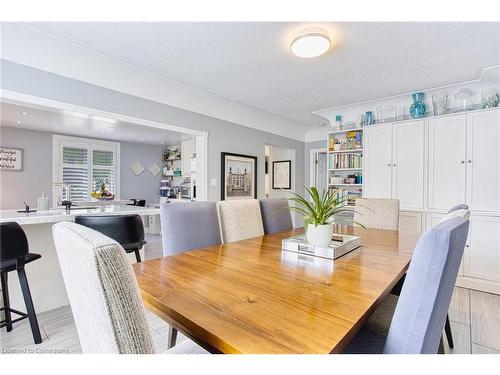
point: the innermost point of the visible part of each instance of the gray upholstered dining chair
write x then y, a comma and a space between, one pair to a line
419, 317
240, 219
275, 215
103, 293
189, 225
377, 213
461, 206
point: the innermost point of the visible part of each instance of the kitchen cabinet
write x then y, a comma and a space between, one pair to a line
482, 252
187, 151
483, 161
410, 221
447, 161
394, 163
377, 171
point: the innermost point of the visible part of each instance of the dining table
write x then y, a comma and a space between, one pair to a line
252, 297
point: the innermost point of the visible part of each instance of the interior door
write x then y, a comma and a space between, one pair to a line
408, 164
483, 161
320, 172
446, 162
482, 253
377, 161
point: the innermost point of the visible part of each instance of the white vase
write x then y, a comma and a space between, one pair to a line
320, 235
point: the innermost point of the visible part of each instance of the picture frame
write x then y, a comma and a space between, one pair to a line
238, 176
11, 159
282, 174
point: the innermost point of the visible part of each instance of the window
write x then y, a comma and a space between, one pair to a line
84, 164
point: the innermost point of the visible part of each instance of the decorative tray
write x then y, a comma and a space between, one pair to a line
341, 244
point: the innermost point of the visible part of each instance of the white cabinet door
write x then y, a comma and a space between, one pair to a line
377, 161
410, 221
408, 164
446, 162
482, 254
483, 161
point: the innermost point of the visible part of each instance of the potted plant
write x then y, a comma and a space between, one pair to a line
319, 213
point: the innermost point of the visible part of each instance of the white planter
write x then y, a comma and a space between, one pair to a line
320, 235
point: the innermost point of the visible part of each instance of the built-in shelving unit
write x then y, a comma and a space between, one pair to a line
345, 162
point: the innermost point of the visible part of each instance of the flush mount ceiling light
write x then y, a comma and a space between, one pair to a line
310, 43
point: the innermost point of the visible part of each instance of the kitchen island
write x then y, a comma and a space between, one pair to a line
44, 275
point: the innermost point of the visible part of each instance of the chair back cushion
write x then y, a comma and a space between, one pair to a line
377, 213
102, 291
275, 215
127, 230
13, 241
240, 219
420, 314
189, 225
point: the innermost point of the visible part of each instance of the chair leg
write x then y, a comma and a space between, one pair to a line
35, 329
172, 337
447, 330
137, 256
441, 346
6, 301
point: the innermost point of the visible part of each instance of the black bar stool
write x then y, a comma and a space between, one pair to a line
14, 254
127, 230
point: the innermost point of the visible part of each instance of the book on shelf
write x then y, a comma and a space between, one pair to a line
345, 161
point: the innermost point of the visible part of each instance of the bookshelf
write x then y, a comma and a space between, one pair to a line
345, 162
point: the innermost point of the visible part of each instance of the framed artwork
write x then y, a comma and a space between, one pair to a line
282, 174
11, 159
239, 176
154, 169
137, 167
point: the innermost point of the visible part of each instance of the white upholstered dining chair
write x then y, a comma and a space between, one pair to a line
103, 294
240, 219
377, 213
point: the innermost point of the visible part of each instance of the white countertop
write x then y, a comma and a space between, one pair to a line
57, 215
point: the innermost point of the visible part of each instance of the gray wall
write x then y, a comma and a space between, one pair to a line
223, 135
36, 175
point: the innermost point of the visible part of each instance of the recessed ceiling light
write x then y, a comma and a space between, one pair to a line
24, 113
18, 122
310, 43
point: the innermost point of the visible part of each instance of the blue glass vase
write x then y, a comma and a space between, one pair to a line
417, 109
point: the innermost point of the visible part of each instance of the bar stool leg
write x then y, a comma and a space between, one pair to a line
137, 256
35, 330
6, 301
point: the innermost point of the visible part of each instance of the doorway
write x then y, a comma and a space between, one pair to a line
318, 169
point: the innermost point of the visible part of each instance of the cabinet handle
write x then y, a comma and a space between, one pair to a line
463, 162
467, 245
389, 164
394, 165
469, 161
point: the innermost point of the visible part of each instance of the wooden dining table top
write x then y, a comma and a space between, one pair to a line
251, 297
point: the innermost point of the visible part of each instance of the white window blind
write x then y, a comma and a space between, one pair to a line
75, 172
103, 169
84, 164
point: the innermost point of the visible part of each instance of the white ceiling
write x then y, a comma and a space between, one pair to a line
56, 121
250, 63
